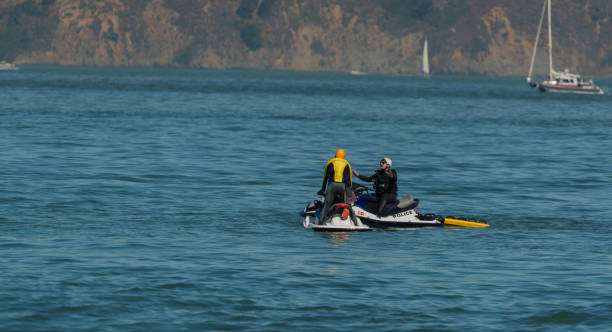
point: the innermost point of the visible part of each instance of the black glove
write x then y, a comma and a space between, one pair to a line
321, 192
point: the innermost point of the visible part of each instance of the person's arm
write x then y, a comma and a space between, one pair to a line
328, 171
366, 178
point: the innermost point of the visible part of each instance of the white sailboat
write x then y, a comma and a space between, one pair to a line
558, 82
425, 64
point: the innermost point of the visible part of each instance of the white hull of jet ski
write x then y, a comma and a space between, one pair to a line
340, 219
402, 219
334, 224
360, 218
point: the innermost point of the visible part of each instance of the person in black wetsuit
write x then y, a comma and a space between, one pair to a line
385, 183
337, 178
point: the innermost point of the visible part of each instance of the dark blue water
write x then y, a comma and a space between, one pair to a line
168, 200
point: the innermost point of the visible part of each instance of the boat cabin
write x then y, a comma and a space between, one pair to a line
568, 79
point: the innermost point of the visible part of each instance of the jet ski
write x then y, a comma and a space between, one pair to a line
341, 218
400, 214
362, 214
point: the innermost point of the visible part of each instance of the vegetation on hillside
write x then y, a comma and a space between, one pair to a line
26, 27
463, 35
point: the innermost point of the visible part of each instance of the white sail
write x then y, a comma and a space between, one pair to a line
425, 66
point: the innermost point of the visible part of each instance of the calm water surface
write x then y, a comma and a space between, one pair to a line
168, 200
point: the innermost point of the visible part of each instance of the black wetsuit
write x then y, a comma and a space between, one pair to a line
338, 183
385, 187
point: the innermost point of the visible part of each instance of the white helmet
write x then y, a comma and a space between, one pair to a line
387, 160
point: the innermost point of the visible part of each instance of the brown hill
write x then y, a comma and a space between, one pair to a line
465, 36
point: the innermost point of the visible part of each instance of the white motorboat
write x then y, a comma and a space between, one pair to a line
8, 66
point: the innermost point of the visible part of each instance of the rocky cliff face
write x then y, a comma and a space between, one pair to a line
386, 36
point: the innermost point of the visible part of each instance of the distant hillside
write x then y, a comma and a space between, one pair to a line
385, 36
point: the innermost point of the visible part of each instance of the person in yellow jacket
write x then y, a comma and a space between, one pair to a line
338, 179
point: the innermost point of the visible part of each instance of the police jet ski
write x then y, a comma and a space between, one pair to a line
400, 214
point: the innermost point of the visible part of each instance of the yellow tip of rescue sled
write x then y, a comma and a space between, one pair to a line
463, 223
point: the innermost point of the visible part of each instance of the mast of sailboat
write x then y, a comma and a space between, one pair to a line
550, 65
535, 45
425, 64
